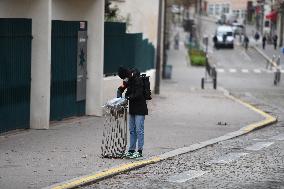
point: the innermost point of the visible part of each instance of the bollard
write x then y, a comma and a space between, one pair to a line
214, 77
278, 61
277, 77
267, 64
212, 73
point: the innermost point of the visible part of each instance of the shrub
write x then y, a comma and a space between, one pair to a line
197, 57
193, 52
198, 60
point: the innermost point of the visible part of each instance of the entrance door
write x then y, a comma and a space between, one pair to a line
15, 73
64, 78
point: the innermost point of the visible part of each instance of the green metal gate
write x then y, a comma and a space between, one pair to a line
63, 102
15, 73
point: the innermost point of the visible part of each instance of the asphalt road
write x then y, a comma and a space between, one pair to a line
255, 160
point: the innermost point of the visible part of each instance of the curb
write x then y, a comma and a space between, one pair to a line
261, 53
91, 178
95, 177
264, 56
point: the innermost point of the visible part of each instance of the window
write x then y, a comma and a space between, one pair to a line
238, 13
227, 8
217, 9
243, 13
211, 10
223, 8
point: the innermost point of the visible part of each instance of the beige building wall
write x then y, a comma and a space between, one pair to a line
234, 9
234, 4
143, 17
91, 11
42, 12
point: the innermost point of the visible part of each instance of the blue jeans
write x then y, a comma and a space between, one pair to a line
136, 129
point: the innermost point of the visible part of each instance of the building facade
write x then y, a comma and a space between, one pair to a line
43, 16
142, 16
236, 8
52, 59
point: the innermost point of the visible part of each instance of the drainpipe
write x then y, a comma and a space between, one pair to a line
158, 51
165, 40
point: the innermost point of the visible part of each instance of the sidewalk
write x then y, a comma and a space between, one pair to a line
269, 52
181, 115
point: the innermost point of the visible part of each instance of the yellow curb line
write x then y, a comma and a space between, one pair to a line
106, 173
129, 166
268, 118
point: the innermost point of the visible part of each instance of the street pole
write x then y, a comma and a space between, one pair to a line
165, 40
281, 24
262, 18
158, 51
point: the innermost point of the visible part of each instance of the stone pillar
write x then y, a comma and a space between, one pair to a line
95, 63
41, 64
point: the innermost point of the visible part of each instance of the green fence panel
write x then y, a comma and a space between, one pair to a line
144, 56
120, 51
15, 73
115, 53
115, 28
139, 55
152, 56
63, 102
128, 50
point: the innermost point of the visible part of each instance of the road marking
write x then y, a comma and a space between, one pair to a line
268, 71
232, 70
268, 118
245, 70
220, 70
228, 158
278, 137
257, 71
258, 146
107, 173
245, 55
185, 176
259, 139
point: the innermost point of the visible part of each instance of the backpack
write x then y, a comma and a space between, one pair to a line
146, 86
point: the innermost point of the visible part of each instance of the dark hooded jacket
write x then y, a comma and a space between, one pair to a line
135, 94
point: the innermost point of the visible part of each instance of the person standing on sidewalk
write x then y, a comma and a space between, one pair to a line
177, 41
246, 42
263, 41
256, 37
215, 40
275, 38
137, 108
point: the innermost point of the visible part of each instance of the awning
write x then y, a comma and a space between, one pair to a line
272, 16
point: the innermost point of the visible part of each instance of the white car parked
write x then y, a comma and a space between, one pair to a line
224, 37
